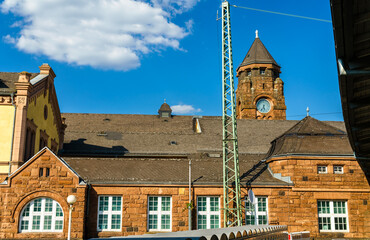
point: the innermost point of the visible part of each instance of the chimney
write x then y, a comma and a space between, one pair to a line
46, 69
24, 77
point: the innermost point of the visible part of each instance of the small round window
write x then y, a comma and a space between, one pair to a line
45, 112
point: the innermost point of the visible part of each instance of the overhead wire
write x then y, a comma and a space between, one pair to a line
315, 114
284, 14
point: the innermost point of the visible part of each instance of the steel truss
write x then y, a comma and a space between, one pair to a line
231, 182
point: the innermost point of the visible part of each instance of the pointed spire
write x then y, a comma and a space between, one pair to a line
258, 54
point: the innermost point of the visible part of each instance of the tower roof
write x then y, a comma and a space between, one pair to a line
165, 108
313, 137
258, 54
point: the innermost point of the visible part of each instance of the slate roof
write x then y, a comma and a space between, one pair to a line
147, 170
146, 149
311, 136
102, 134
7, 80
258, 54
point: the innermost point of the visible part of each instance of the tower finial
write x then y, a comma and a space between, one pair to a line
308, 112
164, 100
256, 33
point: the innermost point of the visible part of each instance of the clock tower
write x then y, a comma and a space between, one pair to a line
260, 93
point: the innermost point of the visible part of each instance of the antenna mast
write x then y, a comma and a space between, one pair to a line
231, 180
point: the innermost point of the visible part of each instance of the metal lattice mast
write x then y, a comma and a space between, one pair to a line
231, 181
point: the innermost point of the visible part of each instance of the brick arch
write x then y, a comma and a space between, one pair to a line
24, 200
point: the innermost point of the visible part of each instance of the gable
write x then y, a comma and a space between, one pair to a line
46, 160
43, 111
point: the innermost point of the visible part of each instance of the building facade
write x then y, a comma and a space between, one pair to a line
130, 173
29, 117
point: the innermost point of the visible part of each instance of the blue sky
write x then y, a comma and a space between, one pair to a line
126, 56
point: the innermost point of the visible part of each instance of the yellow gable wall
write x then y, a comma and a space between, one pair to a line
35, 112
6, 131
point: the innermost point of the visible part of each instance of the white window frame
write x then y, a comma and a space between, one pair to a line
320, 169
110, 213
335, 169
333, 215
42, 214
255, 210
159, 214
208, 211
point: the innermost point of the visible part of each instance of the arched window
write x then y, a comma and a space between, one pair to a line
41, 215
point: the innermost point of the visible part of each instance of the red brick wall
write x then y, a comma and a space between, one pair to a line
300, 203
26, 185
135, 200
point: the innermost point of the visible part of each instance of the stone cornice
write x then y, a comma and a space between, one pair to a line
331, 190
311, 157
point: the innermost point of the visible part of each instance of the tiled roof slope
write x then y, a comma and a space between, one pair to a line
138, 170
311, 136
7, 80
116, 134
258, 54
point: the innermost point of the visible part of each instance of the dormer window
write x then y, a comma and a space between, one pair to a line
165, 111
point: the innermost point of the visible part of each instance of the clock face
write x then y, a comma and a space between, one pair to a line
263, 106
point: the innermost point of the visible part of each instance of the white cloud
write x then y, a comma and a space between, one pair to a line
105, 34
184, 109
175, 6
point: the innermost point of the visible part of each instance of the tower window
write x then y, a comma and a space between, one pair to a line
249, 73
263, 86
262, 71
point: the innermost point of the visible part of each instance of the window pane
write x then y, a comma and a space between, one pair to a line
202, 204
202, 222
47, 222
103, 203
166, 222
214, 204
323, 207
59, 212
250, 220
116, 221
215, 221
339, 207
116, 203
340, 223
324, 223
26, 211
37, 205
58, 224
36, 223
153, 203
48, 205
262, 204
249, 206
153, 221
24, 224
262, 219
166, 203
103, 221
